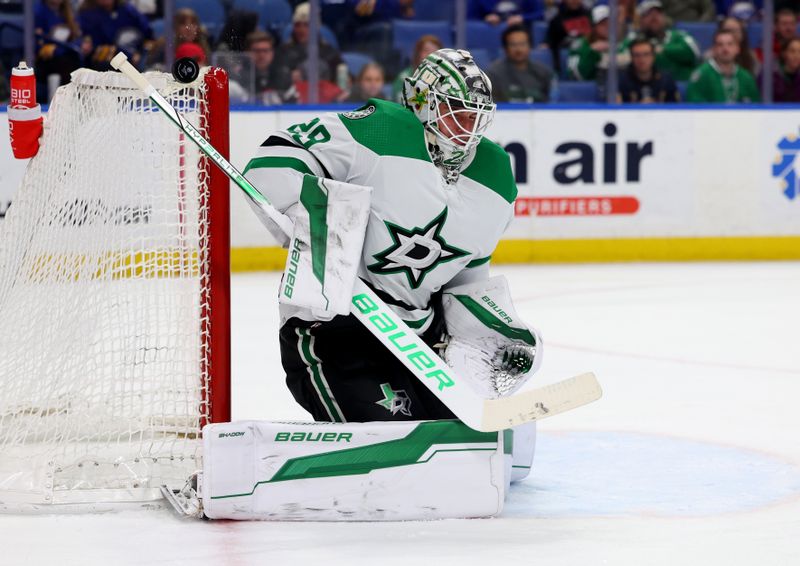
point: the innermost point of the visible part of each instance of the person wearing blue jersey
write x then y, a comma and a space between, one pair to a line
60, 45
113, 26
510, 12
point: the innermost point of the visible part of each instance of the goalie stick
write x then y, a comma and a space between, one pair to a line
474, 410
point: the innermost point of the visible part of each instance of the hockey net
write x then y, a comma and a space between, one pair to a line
114, 275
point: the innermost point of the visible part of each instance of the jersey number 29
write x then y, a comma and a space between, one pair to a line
310, 133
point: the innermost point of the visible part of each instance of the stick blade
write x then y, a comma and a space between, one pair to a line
505, 412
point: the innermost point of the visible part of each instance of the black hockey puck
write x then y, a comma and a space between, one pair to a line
185, 70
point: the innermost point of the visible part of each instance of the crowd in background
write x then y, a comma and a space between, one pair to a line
264, 46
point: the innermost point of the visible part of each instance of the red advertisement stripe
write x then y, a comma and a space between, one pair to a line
575, 206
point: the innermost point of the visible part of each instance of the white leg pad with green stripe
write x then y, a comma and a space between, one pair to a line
372, 471
523, 449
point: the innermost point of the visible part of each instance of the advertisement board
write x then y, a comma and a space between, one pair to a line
651, 184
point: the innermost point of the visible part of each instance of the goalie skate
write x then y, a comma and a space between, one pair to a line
186, 501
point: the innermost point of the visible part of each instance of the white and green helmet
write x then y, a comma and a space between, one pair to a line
452, 97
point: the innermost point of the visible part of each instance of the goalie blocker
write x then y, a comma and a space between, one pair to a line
350, 471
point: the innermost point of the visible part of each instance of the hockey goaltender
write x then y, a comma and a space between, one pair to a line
410, 200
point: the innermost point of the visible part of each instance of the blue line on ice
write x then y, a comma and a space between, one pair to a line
624, 474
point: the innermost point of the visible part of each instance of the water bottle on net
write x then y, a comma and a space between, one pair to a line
25, 121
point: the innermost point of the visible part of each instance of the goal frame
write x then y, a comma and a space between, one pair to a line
216, 313
214, 325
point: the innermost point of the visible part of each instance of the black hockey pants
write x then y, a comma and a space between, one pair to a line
340, 372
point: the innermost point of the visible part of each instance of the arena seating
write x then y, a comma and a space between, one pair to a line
484, 36
272, 14
577, 92
355, 61
406, 33
435, 10
392, 46
209, 11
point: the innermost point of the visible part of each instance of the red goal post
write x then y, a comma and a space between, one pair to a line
216, 113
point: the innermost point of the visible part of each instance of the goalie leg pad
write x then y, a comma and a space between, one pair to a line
351, 472
523, 449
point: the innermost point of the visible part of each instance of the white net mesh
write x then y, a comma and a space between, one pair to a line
103, 383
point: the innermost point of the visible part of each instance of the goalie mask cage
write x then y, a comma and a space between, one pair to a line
114, 297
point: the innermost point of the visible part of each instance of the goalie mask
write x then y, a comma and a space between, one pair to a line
452, 98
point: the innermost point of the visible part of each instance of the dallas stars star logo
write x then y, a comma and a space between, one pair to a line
395, 401
420, 99
416, 252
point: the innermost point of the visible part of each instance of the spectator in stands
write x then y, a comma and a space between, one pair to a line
676, 51
743, 10
193, 51
151, 9
340, 18
642, 82
786, 78
573, 20
510, 12
424, 46
588, 56
187, 28
371, 11
690, 10
747, 58
294, 53
373, 28
60, 45
327, 91
369, 84
515, 78
720, 79
627, 8
238, 25
114, 25
271, 79
785, 28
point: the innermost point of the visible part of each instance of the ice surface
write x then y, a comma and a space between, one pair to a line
691, 457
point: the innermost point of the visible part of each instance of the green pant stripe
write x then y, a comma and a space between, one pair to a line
306, 348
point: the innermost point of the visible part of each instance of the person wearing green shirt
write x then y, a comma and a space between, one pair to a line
676, 51
720, 79
588, 58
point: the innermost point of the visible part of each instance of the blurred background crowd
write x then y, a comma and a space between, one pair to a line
535, 51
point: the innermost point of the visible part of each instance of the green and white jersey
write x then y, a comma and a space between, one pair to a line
422, 232
709, 84
677, 52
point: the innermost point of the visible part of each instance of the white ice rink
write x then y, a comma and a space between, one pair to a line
692, 457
